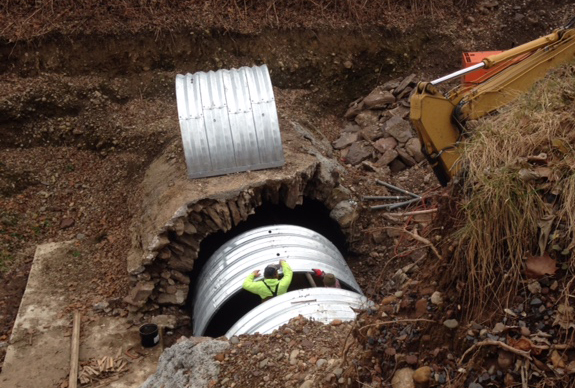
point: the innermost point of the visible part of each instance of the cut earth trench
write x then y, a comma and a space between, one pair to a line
68, 93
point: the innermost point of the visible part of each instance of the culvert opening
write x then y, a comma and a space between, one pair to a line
243, 302
311, 214
314, 244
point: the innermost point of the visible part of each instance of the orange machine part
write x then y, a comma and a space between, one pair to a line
472, 58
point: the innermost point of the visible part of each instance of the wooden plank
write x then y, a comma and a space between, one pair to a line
75, 352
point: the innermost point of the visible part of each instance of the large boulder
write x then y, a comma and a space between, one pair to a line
387, 157
188, 364
358, 152
345, 140
378, 99
413, 148
399, 129
385, 144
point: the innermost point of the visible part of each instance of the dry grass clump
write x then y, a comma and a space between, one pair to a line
520, 168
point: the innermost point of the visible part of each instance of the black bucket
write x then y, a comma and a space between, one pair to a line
149, 335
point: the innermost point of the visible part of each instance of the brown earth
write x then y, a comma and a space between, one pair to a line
88, 102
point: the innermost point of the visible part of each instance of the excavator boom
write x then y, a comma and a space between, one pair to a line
439, 117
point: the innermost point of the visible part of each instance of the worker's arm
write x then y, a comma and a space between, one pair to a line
254, 287
286, 280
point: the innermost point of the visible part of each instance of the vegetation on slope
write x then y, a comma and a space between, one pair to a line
518, 198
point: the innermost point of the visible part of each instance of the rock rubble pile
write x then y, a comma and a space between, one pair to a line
379, 133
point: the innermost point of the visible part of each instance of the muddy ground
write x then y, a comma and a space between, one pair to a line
83, 112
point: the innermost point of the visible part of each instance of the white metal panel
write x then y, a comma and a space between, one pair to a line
320, 304
228, 121
225, 271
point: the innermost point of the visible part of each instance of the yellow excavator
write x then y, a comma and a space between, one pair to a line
439, 118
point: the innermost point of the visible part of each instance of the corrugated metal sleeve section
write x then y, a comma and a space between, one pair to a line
225, 271
320, 304
228, 121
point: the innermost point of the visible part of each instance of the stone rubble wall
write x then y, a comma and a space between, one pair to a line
164, 251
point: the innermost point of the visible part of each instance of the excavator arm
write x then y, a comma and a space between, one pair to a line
439, 117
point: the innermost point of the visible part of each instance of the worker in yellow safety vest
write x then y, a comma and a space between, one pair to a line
271, 285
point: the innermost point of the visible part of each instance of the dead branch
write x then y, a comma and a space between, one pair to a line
496, 343
412, 213
417, 237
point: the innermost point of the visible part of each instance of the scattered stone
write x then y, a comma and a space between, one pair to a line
307, 384
372, 133
367, 118
67, 223
385, 144
354, 109
404, 84
411, 359
451, 323
344, 213
534, 287
403, 378
422, 377
358, 152
388, 300
413, 148
420, 307
338, 372
321, 362
100, 306
399, 129
293, 356
499, 328
388, 157
390, 85
378, 99
405, 157
399, 111
345, 140
436, 298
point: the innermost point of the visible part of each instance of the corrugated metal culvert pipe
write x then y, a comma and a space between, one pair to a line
220, 302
